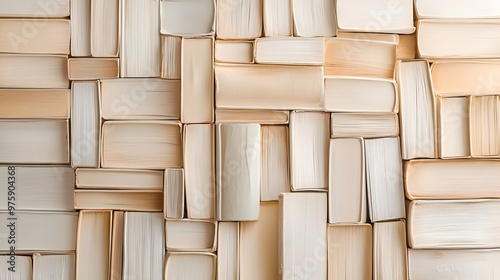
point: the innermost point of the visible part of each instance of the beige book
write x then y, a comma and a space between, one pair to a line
140, 98
290, 50
435, 224
234, 51
384, 16
474, 38
19, 269
364, 125
389, 250
238, 191
302, 235
466, 77
117, 233
347, 181
140, 38
452, 179
104, 28
384, 179
228, 248
276, 87
93, 245
40, 231
251, 116
187, 18
171, 57
462, 9
35, 103
40, 188
309, 167
80, 27
314, 18
484, 127
453, 264
141, 144
144, 246
199, 266
453, 126
417, 110
407, 47
85, 124
199, 170
275, 171
258, 249
34, 8
350, 252
363, 58
50, 146
52, 37
355, 94
277, 18
384, 37
173, 194
34, 71
120, 179
92, 68
127, 200
239, 19
190, 235
197, 80
61, 267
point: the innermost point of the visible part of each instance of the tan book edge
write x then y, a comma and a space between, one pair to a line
190, 236
84, 268
228, 251
224, 54
266, 117
170, 57
88, 178
379, 274
127, 200
166, 195
232, 18
275, 165
496, 130
93, 68
117, 232
35, 103
103, 30
183, 262
384, 37
371, 132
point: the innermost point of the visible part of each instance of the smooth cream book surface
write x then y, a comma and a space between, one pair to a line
187, 18
461, 9
34, 8
190, 235
234, 51
275, 177
290, 50
104, 28
389, 250
228, 240
454, 128
80, 27
180, 265
22, 270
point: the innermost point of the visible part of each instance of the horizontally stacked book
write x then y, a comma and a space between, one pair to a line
450, 117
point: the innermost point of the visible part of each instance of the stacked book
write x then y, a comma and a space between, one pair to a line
450, 138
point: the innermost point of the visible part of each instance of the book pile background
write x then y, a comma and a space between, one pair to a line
249, 139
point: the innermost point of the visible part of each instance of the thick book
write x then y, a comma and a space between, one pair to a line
347, 181
49, 266
258, 245
190, 235
228, 251
85, 124
290, 50
119, 179
436, 224
313, 18
309, 167
277, 18
50, 146
80, 27
350, 252
452, 179
141, 144
458, 38
51, 37
238, 192
190, 265
140, 99
40, 231
35, 103
187, 18
197, 80
417, 110
140, 40
20, 269
199, 170
389, 250
39, 188
33, 71
384, 16
453, 264
366, 125
143, 246
276, 87
303, 235
239, 20
234, 51
93, 248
